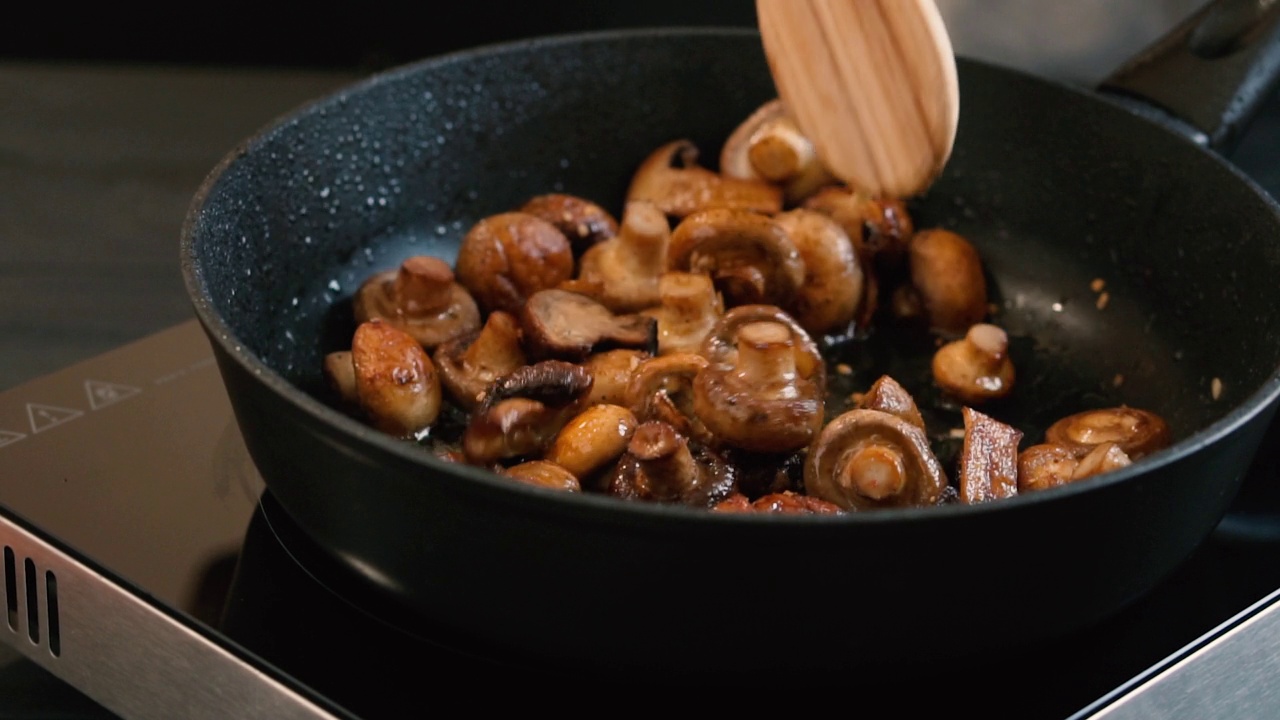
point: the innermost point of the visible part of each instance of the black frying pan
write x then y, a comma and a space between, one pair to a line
1054, 185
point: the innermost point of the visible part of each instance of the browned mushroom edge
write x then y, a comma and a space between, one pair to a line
750, 257
671, 178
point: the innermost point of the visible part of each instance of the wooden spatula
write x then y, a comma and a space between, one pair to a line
872, 83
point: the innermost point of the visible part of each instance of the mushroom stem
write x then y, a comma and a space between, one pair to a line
643, 238
873, 471
665, 460
767, 359
424, 285
779, 151
689, 309
497, 346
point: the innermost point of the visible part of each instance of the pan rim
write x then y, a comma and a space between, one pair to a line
610, 509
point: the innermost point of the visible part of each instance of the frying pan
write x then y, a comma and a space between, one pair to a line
1056, 186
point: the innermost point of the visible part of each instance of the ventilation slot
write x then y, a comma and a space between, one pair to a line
33, 605
55, 639
31, 576
11, 587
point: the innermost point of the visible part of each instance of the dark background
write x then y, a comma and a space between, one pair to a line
347, 35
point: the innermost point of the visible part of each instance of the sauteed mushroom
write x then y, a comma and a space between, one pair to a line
761, 401
592, 439
989, 460
887, 395
977, 367
947, 282
828, 298
768, 146
1137, 432
421, 298
672, 179
507, 257
1046, 465
688, 310
879, 228
626, 267
583, 222
612, 371
868, 459
543, 473
787, 503
662, 389
522, 412
721, 344
750, 258
570, 326
469, 363
396, 382
660, 466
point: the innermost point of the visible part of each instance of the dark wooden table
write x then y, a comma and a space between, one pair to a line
97, 168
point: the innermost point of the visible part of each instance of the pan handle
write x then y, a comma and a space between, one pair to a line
1208, 76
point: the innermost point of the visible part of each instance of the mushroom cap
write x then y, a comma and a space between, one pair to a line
543, 473
421, 298
582, 221
505, 258
828, 298
721, 344
751, 258
947, 275
888, 395
523, 410
1137, 432
977, 367
396, 382
671, 178
826, 473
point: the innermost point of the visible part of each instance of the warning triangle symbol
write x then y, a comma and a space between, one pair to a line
102, 394
44, 417
7, 437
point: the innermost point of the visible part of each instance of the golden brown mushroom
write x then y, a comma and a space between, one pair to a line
828, 299
868, 459
522, 412
660, 466
421, 298
671, 178
396, 382
721, 344
761, 402
878, 227
567, 325
507, 257
662, 389
769, 146
612, 371
888, 395
1045, 465
688, 310
948, 288
977, 367
584, 222
749, 257
542, 473
989, 460
1138, 432
782, 503
624, 269
470, 363
592, 439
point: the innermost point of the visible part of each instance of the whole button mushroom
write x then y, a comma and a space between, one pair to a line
947, 282
688, 309
749, 257
761, 402
661, 389
470, 363
543, 473
592, 439
721, 344
505, 258
769, 146
584, 222
626, 267
1137, 432
660, 466
828, 299
396, 383
671, 178
420, 298
868, 459
977, 367
879, 228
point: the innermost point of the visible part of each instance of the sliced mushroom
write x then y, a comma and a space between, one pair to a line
1138, 432
421, 298
569, 326
507, 257
662, 389
584, 222
624, 270
749, 257
472, 362
542, 473
671, 178
769, 146
660, 466
888, 395
828, 299
721, 344
396, 383
868, 459
760, 402
989, 460
522, 412
783, 503
592, 439
947, 281
977, 367
688, 309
